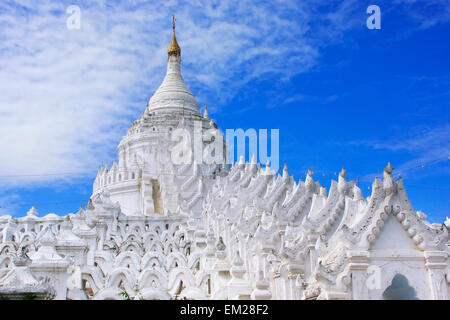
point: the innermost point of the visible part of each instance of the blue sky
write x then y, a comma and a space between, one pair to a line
341, 94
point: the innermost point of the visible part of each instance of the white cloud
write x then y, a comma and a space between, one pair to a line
8, 203
425, 14
427, 146
67, 96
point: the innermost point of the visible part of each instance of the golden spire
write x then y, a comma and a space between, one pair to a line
174, 48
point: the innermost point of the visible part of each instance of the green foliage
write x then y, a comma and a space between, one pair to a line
4, 298
29, 296
125, 295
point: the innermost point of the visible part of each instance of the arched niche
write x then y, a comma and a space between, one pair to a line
400, 289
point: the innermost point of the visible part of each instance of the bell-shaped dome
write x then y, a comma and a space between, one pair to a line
173, 94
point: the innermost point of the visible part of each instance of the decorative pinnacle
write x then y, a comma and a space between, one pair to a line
389, 168
174, 48
32, 212
343, 172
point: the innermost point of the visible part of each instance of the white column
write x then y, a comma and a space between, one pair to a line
358, 264
436, 264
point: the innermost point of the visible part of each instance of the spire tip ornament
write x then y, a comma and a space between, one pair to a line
174, 48
389, 168
343, 173
206, 114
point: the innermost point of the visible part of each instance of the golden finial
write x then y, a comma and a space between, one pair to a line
174, 48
